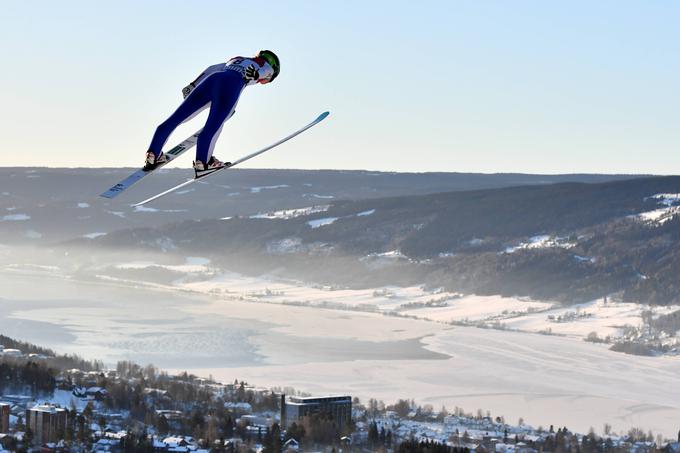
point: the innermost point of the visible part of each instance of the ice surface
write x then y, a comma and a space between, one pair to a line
544, 379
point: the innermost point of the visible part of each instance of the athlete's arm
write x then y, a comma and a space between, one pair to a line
201, 77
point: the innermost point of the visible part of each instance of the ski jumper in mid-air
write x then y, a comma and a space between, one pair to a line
219, 86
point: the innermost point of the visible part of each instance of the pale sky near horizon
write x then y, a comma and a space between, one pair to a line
467, 86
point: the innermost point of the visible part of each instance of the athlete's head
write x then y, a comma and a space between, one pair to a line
271, 58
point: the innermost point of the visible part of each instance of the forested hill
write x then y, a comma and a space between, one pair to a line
568, 241
44, 205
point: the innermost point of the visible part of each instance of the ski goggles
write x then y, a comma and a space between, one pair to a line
271, 60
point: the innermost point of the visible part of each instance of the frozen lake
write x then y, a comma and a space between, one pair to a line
174, 329
544, 379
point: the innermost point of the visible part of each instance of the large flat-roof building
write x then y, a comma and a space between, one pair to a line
295, 408
48, 423
4, 417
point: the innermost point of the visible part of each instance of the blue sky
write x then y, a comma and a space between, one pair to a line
483, 86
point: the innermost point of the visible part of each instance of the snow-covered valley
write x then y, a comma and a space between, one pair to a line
384, 342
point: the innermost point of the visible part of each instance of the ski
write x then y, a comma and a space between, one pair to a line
139, 174
242, 159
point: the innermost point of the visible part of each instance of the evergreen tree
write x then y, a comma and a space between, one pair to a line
229, 428
373, 436
163, 425
296, 432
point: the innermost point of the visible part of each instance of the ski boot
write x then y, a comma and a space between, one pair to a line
152, 161
213, 164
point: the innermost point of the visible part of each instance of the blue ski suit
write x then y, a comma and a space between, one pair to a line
219, 87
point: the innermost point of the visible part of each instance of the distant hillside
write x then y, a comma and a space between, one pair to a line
42, 205
569, 241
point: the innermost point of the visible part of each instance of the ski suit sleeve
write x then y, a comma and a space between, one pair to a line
208, 71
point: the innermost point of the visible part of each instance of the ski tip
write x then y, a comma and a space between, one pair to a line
323, 115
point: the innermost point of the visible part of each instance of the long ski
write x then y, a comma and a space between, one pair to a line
242, 159
139, 174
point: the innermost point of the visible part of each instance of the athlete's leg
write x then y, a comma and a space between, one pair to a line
224, 98
192, 105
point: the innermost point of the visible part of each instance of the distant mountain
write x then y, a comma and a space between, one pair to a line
566, 241
41, 205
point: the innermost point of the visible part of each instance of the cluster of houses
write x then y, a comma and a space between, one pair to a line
18, 354
485, 434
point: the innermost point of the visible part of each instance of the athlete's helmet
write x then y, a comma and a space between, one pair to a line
271, 58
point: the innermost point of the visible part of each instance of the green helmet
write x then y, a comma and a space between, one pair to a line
271, 58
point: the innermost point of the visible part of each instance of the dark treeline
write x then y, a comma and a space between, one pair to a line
414, 446
19, 375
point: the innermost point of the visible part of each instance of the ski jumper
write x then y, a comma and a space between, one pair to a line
219, 86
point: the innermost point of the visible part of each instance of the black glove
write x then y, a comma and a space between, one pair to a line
251, 73
186, 91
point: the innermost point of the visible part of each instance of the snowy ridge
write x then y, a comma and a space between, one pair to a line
321, 222
94, 235
291, 213
660, 216
540, 242
329, 220
192, 265
15, 218
261, 188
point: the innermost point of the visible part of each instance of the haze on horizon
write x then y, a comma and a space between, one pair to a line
529, 86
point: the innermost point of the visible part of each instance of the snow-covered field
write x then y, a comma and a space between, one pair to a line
263, 289
606, 318
479, 308
192, 264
